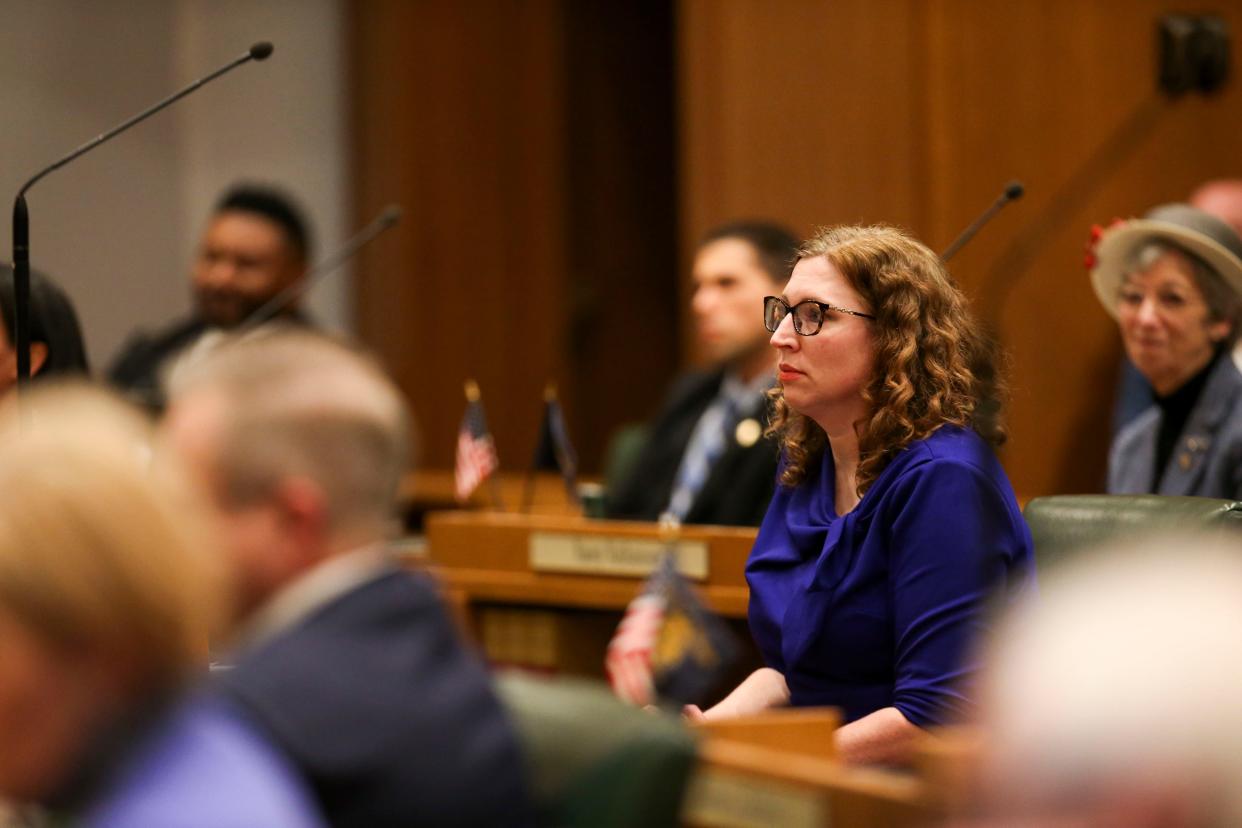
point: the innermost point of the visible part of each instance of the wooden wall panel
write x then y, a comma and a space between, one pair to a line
531, 144
458, 117
917, 114
801, 111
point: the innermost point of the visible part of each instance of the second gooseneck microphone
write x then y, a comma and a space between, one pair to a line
288, 297
1012, 192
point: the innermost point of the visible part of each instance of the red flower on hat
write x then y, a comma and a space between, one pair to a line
1089, 259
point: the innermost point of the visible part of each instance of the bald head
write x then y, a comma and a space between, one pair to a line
1116, 691
1223, 199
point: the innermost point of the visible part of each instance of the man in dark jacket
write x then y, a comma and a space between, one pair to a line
705, 459
346, 660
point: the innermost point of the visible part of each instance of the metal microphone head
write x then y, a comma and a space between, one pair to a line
1014, 190
390, 216
261, 50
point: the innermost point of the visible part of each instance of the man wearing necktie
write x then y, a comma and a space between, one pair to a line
705, 459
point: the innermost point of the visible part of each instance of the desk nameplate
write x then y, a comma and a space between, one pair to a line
583, 554
725, 799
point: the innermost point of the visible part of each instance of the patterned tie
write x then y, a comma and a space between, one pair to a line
707, 444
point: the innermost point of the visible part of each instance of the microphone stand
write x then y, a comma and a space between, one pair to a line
1013, 191
21, 215
387, 218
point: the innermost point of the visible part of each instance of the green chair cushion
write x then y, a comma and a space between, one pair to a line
1062, 525
593, 761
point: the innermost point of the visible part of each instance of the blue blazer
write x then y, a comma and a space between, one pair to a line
1207, 459
387, 714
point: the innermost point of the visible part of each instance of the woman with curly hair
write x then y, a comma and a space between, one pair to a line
893, 523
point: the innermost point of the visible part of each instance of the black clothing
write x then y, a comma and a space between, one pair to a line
736, 492
1175, 410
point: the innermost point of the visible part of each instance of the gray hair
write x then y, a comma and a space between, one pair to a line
1223, 302
298, 404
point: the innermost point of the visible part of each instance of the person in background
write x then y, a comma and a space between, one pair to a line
1221, 198
347, 660
106, 604
1112, 699
1173, 281
56, 345
256, 245
893, 525
705, 459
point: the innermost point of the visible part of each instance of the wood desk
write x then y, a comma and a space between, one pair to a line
434, 490
777, 768
548, 591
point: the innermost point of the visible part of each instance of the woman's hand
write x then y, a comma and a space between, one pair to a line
763, 689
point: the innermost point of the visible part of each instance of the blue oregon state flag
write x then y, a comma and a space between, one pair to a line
554, 451
668, 647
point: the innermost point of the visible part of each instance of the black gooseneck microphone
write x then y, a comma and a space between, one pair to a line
1013, 191
387, 218
21, 218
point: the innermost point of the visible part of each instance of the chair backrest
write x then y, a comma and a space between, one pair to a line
593, 761
622, 451
1062, 525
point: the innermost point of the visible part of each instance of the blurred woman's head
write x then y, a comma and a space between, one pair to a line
105, 600
57, 348
896, 355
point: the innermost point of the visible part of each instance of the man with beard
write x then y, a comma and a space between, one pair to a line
256, 245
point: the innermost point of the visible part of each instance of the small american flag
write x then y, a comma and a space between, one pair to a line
476, 453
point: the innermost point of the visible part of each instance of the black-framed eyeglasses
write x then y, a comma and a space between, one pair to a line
808, 315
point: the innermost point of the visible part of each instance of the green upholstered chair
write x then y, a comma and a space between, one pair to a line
622, 451
593, 761
1061, 525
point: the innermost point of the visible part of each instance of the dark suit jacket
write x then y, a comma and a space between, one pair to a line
736, 492
391, 719
136, 370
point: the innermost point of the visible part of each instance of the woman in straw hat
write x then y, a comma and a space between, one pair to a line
1173, 281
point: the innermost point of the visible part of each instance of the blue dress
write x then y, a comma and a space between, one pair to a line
881, 607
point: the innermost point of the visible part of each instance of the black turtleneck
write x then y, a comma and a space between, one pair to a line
1175, 410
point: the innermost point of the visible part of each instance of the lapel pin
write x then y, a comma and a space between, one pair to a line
748, 432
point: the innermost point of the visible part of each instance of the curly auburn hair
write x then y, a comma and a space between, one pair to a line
934, 365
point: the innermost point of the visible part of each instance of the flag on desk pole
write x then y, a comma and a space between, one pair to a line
476, 452
554, 452
669, 646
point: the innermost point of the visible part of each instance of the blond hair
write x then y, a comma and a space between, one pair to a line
96, 556
296, 403
933, 365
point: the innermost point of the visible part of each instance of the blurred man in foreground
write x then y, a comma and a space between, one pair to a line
348, 661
